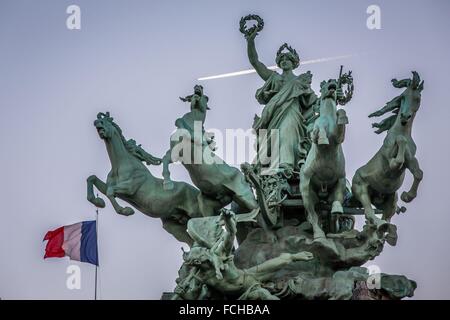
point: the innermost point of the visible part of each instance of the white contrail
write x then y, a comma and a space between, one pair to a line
239, 73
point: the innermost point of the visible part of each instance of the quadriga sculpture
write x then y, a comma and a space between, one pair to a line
377, 182
131, 181
324, 168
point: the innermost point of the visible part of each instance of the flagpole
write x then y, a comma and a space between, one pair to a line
96, 266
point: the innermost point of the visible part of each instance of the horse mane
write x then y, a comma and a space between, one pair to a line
385, 124
392, 106
136, 150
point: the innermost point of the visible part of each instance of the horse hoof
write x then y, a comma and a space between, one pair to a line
341, 117
99, 202
337, 207
127, 211
342, 120
407, 197
392, 239
389, 233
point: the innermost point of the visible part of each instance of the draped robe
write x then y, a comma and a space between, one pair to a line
285, 102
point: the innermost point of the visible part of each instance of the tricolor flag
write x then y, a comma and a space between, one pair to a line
77, 241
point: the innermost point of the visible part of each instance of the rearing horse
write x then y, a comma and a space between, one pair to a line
131, 181
219, 183
324, 168
378, 181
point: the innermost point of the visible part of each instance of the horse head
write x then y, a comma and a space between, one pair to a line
334, 89
403, 107
328, 89
410, 98
105, 125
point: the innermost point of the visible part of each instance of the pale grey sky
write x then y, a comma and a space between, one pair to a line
134, 58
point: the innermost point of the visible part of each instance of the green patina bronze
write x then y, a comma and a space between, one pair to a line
293, 218
130, 181
288, 100
218, 182
378, 181
324, 169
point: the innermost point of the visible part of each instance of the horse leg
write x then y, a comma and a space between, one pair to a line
397, 162
178, 230
187, 201
413, 165
338, 196
127, 188
243, 195
323, 138
389, 206
167, 159
308, 203
127, 211
361, 191
341, 122
101, 186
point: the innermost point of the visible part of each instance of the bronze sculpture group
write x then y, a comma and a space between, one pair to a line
295, 223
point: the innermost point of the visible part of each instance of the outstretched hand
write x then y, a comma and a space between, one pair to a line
228, 218
227, 214
252, 35
302, 256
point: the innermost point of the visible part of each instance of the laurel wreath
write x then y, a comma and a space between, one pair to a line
258, 26
346, 79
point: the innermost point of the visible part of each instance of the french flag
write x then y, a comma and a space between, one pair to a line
77, 241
